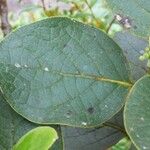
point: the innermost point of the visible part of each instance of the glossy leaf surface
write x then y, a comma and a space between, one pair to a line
59, 71
39, 138
137, 112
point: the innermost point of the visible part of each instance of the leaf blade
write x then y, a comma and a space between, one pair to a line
61, 79
40, 137
136, 114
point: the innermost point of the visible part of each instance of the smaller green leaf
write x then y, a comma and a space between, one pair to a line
137, 113
123, 144
39, 138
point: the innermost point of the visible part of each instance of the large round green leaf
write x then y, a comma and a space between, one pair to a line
59, 71
41, 138
138, 12
137, 113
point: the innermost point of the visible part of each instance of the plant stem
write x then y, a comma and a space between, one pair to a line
115, 127
43, 5
110, 25
5, 26
90, 8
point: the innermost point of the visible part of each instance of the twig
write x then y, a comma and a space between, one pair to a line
108, 124
5, 26
90, 8
43, 4
110, 25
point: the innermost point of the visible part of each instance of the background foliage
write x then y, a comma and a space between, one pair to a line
94, 12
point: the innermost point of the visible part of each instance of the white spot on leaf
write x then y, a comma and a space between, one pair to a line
106, 106
17, 65
144, 147
142, 118
137, 135
46, 69
131, 129
84, 123
67, 116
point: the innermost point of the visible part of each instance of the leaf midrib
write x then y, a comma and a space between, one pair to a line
89, 76
94, 77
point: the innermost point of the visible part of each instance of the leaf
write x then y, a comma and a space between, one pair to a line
138, 13
133, 147
39, 138
59, 71
123, 144
13, 127
137, 112
99, 138
133, 47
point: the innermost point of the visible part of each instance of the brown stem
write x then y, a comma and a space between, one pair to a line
115, 127
43, 4
110, 25
5, 26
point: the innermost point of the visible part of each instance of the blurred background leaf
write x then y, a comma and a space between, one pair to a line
93, 12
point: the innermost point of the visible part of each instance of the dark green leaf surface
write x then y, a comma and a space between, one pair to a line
99, 138
138, 12
59, 71
59, 143
137, 113
41, 138
133, 147
13, 127
133, 47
